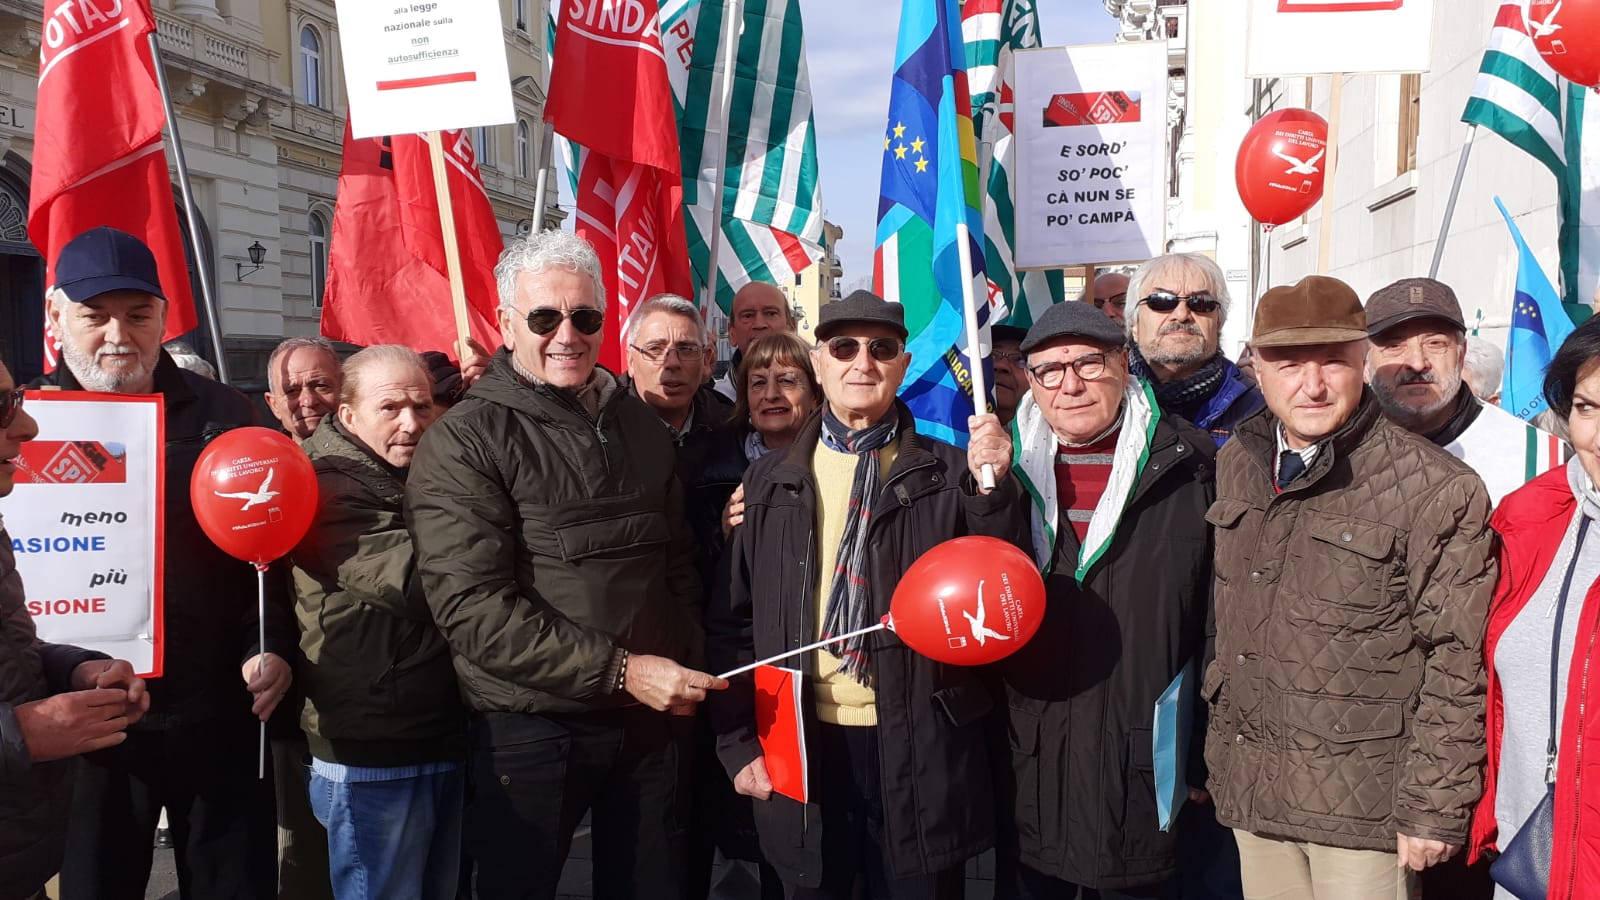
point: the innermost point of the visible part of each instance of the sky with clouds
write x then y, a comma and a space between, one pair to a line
850, 48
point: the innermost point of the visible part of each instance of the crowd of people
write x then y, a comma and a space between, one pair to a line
526, 570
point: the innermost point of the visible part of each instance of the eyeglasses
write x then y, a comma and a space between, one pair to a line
1119, 300
1012, 357
845, 349
10, 405
1088, 367
1201, 302
657, 353
545, 319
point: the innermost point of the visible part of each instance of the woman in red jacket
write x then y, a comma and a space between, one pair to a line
1546, 615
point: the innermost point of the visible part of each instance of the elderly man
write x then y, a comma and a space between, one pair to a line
1119, 491
1484, 368
303, 384
1010, 380
56, 702
900, 783
1415, 365
1109, 294
759, 307
1180, 303
554, 555
383, 716
196, 752
1354, 567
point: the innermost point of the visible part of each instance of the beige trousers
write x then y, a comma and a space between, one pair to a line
1273, 869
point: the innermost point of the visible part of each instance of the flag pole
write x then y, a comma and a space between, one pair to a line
1450, 205
191, 213
730, 58
969, 309
1325, 235
541, 182
452, 251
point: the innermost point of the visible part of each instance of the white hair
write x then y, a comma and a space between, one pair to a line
289, 345
672, 304
186, 358
378, 355
539, 252
1484, 366
1165, 265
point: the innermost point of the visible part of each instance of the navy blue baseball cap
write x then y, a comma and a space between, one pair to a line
102, 260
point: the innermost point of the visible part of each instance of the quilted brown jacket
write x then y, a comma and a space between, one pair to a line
1347, 689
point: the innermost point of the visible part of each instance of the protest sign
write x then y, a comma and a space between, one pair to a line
1091, 126
1326, 37
85, 522
421, 65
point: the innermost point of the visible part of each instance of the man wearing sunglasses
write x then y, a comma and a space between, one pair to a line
1118, 492
196, 752
1110, 294
1176, 330
554, 555
900, 783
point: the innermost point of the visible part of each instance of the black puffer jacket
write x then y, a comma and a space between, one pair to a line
210, 597
547, 539
34, 797
937, 783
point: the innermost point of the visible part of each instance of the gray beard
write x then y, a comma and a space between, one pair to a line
1406, 413
87, 370
1172, 360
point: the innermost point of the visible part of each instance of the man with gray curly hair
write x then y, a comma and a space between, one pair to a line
1178, 304
554, 554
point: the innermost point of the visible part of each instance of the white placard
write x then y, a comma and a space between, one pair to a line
85, 523
1091, 126
1327, 37
424, 65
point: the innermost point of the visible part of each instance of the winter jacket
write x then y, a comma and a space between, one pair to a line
1080, 786
1347, 686
35, 798
1236, 399
377, 678
1531, 523
209, 597
547, 539
937, 782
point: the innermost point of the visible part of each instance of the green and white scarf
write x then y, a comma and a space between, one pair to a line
1035, 464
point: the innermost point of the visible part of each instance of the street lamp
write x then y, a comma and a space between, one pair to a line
258, 254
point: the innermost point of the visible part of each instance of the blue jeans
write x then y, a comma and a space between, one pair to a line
397, 839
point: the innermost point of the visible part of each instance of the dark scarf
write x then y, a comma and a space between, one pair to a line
1185, 393
849, 608
1465, 413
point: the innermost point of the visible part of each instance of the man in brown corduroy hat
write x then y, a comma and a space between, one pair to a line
1354, 567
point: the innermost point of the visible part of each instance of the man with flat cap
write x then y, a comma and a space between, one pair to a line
1118, 494
1415, 362
901, 790
195, 753
1009, 381
1354, 567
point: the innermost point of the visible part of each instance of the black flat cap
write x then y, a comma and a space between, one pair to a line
861, 307
1007, 332
1073, 319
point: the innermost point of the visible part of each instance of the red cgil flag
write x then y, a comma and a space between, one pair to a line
609, 93
387, 280
97, 155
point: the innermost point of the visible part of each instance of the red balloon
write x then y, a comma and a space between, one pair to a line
1280, 165
1567, 35
968, 601
254, 493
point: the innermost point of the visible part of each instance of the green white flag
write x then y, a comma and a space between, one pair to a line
993, 30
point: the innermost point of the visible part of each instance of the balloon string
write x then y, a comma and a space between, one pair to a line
807, 648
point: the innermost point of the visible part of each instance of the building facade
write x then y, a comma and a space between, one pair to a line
258, 89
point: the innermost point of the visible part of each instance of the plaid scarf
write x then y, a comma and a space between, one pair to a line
1183, 395
849, 608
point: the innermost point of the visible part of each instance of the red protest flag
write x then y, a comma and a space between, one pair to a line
387, 280
609, 93
97, 156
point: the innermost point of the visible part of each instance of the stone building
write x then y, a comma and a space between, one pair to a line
258, 89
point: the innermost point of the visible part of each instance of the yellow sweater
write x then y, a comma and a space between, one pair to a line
841, 700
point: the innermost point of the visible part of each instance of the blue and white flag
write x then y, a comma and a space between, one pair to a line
1538, 326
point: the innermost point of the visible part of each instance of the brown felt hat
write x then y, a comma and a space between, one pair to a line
1413, 298
1315, 310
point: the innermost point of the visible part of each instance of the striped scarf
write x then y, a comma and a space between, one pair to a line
849, 608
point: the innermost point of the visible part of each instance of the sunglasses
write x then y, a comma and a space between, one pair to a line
1166, 301
10, 405
845, 349
545, 319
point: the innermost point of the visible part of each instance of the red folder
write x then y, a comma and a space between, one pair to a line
781, 730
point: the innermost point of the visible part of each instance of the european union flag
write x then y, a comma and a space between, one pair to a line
1539, 324
929, 188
